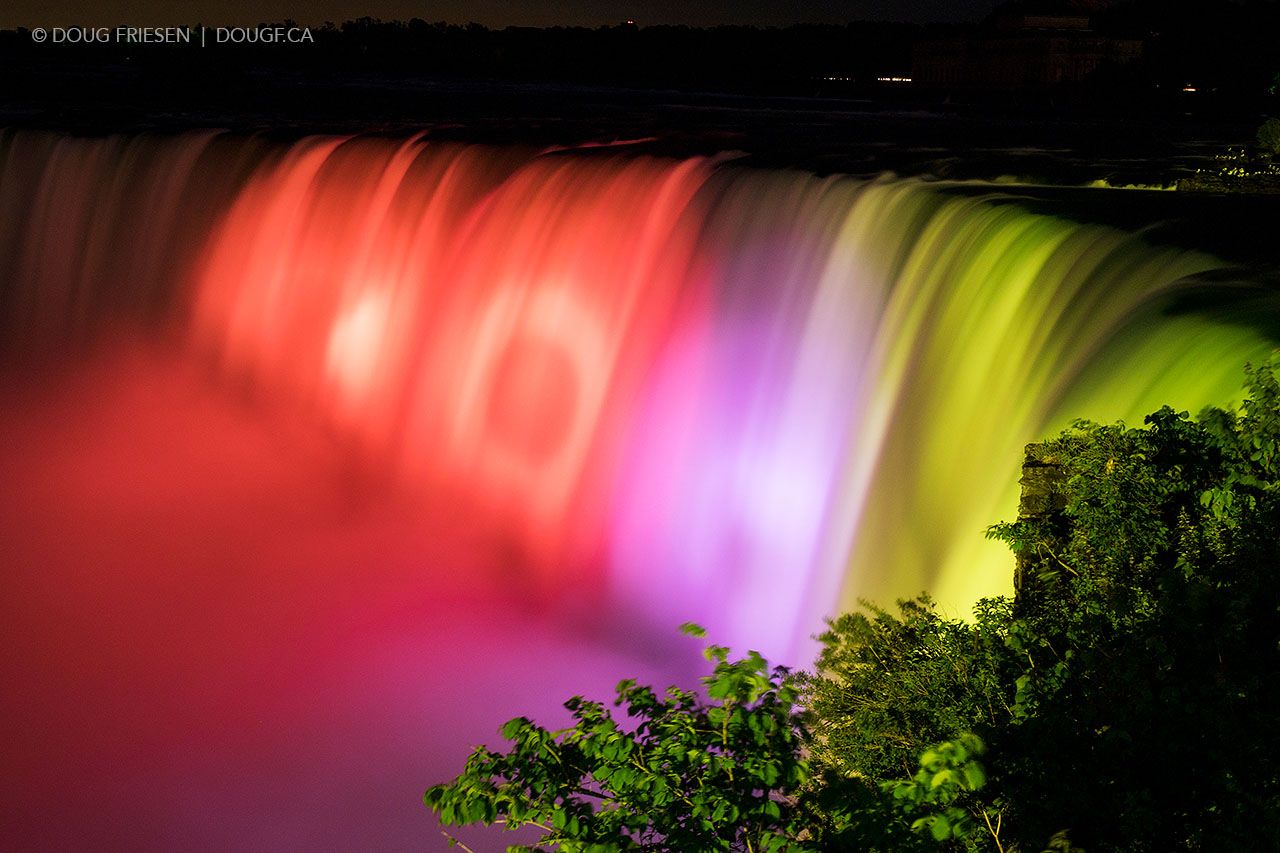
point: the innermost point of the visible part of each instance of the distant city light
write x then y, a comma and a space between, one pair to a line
845, 78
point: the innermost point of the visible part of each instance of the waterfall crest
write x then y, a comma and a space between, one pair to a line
700, 391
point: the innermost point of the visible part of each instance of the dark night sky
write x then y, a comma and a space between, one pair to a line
53, 13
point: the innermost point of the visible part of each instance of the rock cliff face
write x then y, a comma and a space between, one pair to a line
1042, 495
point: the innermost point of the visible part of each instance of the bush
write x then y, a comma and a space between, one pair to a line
1127, 694
1150, 625
728, 771
693, 773
1269, 136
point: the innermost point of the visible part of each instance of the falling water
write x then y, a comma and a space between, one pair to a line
698, 391
322, 458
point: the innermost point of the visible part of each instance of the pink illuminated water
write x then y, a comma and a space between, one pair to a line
322, 459
218, 637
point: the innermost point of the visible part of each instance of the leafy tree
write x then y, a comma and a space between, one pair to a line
947, 773
900, 695
1269, 134
891, 686
693, 774
1128, 693
726, 772
1149, 621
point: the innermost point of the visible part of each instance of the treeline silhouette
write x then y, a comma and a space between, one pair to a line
1223, 50
729, 57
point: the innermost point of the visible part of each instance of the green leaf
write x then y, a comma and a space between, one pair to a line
974, 776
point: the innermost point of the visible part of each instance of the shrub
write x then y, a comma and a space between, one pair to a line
1269, 136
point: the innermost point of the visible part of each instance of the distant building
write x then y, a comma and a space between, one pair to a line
1021, 46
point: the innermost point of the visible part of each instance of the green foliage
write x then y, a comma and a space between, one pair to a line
890, 686
1127, 694
1269, 134
692, 774
947, 773
1150, 628
901, 695
682, 772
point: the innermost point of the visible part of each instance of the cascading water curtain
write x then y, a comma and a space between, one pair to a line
697, 391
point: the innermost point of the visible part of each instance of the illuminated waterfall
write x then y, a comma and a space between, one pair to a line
699, 391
